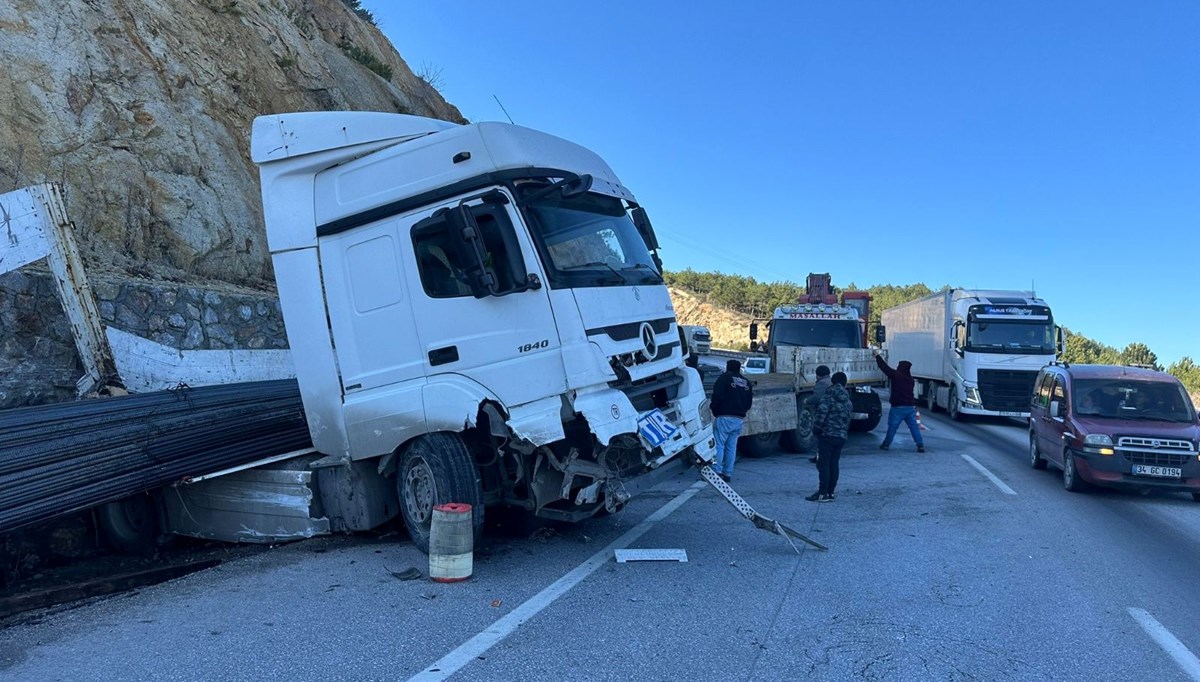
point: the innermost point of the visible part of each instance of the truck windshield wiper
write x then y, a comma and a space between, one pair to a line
594, 263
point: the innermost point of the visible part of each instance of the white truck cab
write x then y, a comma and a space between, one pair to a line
698, 338
476, 313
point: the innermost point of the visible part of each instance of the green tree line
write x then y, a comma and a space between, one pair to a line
752, 297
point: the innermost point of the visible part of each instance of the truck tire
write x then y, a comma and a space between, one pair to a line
758, 445
875, 410
436, 468
867, 424
801, 439
952, 408
131, 525
933, 403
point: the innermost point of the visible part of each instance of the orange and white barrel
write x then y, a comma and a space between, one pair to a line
451, 543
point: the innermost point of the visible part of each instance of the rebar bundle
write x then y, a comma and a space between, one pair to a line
67, 457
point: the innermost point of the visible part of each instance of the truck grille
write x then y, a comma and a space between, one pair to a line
1163, 452
1006, 390
651, 392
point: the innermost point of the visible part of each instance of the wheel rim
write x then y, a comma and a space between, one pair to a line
806, 423
419, 492
953, 407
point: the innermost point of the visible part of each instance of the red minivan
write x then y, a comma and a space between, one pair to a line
1121, 427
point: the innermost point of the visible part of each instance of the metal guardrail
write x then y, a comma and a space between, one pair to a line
727, 353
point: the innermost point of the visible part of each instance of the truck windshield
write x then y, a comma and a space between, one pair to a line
1011, 336
1128, 399
819, 333
588, 241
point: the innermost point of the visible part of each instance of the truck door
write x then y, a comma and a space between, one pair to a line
504, 338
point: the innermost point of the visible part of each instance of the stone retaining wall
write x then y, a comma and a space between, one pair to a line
38, 362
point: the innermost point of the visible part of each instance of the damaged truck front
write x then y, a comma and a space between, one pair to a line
476, 314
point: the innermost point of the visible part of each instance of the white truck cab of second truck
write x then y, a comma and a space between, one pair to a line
477, 311
974, 352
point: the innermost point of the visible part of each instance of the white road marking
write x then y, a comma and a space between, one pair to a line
991, 477
495, 633
1184, 658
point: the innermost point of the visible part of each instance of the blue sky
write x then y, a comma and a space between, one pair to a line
997, 145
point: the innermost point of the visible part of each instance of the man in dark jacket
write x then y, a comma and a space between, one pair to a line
731, 399
831, 425
904, 405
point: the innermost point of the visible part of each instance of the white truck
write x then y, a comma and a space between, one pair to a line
476, 314
973, 352
698, 338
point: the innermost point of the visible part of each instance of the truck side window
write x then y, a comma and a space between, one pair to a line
443, 272
445, 266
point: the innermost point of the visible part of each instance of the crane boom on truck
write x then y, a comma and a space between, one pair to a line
974, 352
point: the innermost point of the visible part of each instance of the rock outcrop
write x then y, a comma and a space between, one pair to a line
142, 109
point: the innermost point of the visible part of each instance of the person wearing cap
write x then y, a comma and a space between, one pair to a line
831, 425
819, 388
731, 399
903, 403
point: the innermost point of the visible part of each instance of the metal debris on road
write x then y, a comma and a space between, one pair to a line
627, 555
744, 508
410, 573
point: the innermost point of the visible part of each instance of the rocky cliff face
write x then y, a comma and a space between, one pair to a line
142, 109
729, 329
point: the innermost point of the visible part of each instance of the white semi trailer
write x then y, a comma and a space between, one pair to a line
476, 314
973, 352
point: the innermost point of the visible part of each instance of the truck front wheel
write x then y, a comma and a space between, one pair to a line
873, 406
952, 408
436, 468
758, 445
801, 439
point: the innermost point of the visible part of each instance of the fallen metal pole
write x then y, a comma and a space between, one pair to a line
760, 521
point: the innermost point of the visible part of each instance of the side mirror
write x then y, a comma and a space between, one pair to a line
753, 331
465, 232
642, 222
880, 334
1056, 409
1060, 345
956, 343
494, 267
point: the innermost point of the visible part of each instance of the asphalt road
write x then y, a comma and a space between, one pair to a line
936, 570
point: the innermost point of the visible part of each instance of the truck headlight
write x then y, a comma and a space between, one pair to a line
863, 389
973, 396
706, 417
1098, 440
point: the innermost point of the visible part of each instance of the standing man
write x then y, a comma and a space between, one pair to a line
732, 397
904, 405
831, 425
819, 389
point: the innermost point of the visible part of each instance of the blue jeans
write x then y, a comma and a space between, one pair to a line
908, 415
726, 430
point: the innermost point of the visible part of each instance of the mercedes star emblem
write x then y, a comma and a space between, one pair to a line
648, 341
